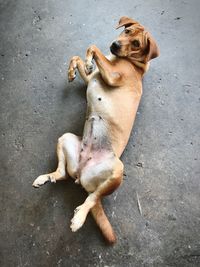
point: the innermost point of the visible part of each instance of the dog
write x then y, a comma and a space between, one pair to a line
114, 90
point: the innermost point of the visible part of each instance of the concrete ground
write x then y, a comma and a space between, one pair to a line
162, 161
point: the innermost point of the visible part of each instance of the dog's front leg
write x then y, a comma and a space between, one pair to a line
77, 63
107, 69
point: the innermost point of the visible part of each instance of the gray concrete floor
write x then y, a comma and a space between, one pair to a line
38, 105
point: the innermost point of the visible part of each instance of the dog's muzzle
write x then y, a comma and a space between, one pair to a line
115, 47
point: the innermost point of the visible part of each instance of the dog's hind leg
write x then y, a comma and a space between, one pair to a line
68, 148
106, 177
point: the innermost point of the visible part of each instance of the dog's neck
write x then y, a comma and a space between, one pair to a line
141, 65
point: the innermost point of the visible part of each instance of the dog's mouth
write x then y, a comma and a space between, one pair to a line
115, 48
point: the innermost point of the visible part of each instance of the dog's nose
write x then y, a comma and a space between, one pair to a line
116, 45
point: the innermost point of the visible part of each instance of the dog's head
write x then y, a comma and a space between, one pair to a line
134, 42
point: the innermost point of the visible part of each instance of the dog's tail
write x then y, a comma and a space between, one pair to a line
103, 223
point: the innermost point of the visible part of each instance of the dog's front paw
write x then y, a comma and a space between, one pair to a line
72, 68
88, 67
71, 75
90, 54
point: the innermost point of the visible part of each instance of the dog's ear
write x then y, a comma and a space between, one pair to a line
126, 22
152, 48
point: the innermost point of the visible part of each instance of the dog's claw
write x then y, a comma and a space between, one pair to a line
71, 78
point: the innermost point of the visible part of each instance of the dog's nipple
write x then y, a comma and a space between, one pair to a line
99, 98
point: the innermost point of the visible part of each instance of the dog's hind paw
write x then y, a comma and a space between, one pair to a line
79, 218
42, 179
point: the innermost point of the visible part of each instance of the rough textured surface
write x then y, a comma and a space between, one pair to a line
162, 161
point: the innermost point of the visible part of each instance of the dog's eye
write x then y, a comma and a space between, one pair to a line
127, 31
136, 43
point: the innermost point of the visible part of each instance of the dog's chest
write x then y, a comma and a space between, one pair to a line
98, 94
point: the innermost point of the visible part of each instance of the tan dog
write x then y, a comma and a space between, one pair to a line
113, 96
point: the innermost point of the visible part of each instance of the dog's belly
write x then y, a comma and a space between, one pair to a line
96, 133
96, 149
95, 141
